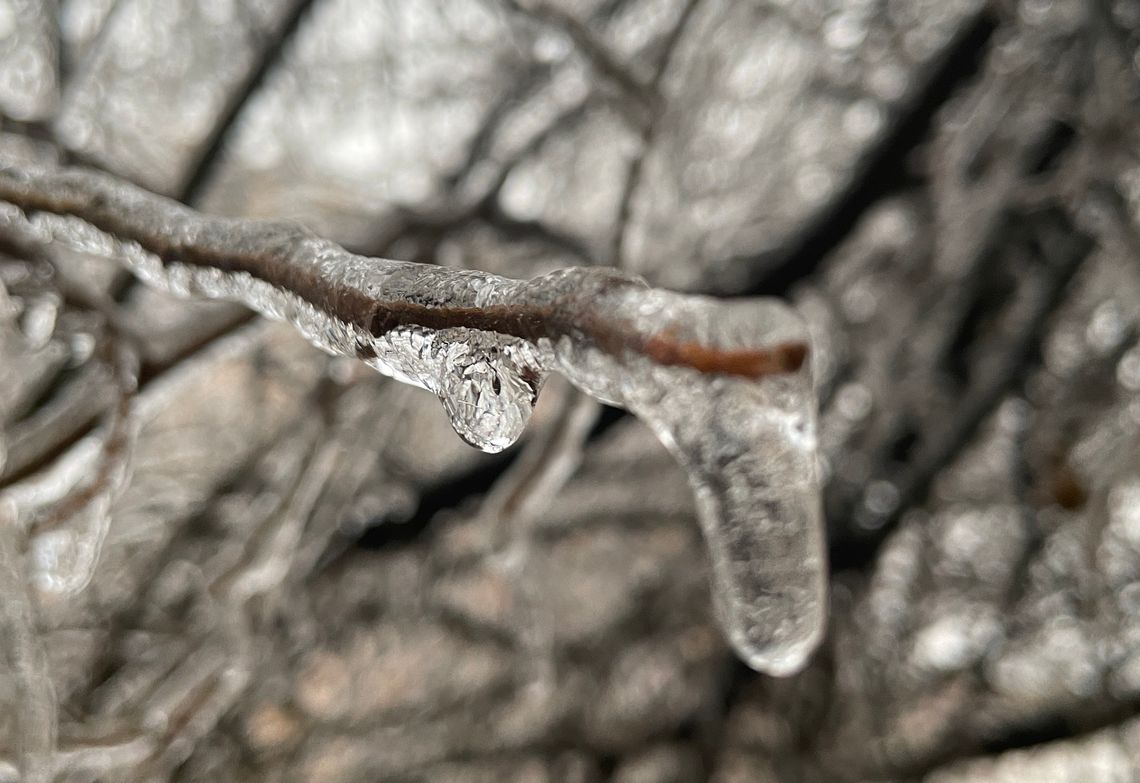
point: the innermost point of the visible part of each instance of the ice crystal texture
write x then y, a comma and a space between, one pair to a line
484, 344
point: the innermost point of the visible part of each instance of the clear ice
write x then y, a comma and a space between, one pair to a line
749, 448
748, 444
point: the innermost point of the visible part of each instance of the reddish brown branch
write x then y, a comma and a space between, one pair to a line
746, 363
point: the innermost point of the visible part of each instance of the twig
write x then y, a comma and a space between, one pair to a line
686, 365
350, 289
22, 659
543, 468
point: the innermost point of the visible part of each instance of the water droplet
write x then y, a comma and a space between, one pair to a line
844, 31
39, 320
488, 392
863, 119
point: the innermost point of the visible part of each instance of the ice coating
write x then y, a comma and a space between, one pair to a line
725, 385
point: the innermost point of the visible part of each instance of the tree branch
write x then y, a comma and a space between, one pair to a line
725, 384
294, 260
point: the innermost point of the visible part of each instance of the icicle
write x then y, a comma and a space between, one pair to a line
749, 447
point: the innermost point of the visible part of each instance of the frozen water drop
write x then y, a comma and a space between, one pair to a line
488, 384
488, 390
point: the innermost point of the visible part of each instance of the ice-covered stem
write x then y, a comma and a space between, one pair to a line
293, 259
725, 385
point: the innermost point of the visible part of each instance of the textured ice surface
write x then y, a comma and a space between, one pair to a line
484, 345
749, 447
487, 385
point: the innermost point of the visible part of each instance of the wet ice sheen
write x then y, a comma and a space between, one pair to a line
748, 445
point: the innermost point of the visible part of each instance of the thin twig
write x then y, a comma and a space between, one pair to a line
542, 469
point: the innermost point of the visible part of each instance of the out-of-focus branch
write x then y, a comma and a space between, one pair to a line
643, 100
637, 165
115, 457
210, 151
523, 493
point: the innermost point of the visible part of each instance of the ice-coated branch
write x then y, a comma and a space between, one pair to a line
726, 385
